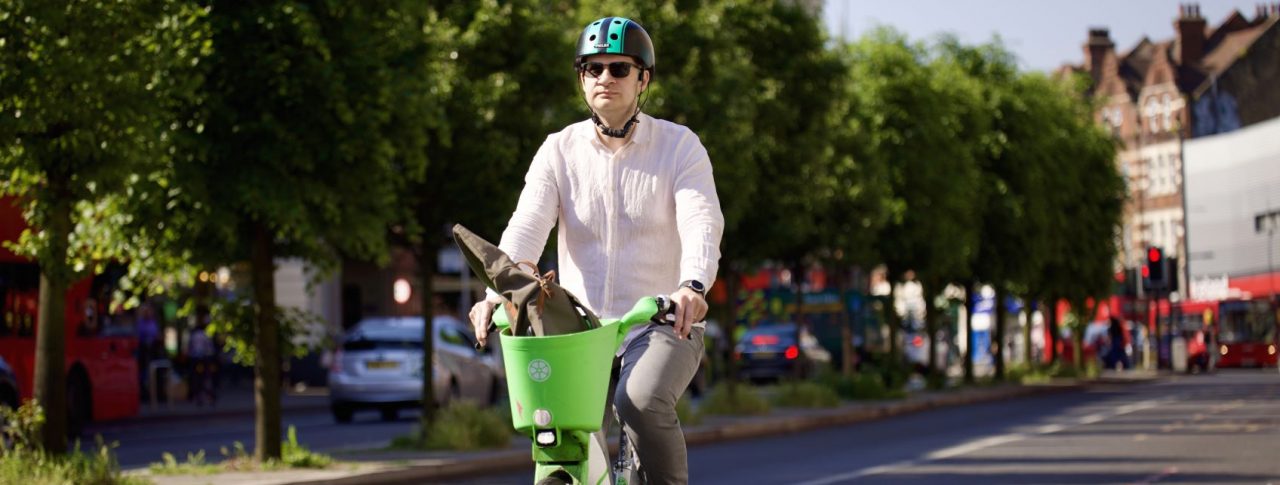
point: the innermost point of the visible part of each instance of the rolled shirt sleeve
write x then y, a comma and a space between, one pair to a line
699, 219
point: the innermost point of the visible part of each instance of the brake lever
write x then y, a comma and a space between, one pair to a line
666, 311
493, 327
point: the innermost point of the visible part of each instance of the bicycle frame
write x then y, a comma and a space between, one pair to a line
558, 387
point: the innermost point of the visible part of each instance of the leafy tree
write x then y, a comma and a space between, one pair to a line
1087, 203
1014, 159
312, 114
510, 83
910, 119
85, 95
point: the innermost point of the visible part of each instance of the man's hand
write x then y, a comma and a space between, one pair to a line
481, 314
691, 308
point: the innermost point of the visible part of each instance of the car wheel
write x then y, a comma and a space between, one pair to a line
495, 392
342, 412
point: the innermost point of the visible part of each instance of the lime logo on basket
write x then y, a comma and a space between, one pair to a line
539, 370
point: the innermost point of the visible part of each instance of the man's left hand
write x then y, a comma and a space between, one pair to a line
691, 308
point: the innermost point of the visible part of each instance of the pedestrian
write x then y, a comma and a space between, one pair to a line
636, 211
1117, 344
204, 365
147, 330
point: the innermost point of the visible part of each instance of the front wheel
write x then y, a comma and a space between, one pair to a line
558, 477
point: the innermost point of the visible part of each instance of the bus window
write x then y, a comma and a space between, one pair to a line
19, 299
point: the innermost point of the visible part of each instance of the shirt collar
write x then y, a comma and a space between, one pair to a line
643, 128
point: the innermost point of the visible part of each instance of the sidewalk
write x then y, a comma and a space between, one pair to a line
373, 467
232, 401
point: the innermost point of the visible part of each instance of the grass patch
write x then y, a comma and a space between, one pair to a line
688, 416
806, 394
734, 399
292, 456
459, 426
22, 461
862, 386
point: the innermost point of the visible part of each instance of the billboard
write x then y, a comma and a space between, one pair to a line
1232, 194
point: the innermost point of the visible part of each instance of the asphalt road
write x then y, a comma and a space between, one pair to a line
142, 443
1218, 428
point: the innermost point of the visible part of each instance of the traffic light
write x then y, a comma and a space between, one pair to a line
1155, 267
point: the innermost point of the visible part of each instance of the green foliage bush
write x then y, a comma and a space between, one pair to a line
459, 426
868, 384
21, 461
738, 399
688, 416
806, 394
292, 455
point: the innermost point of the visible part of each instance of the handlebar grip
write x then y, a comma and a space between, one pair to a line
493, 327
666, 311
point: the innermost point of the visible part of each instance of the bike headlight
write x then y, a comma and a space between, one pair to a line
545, 437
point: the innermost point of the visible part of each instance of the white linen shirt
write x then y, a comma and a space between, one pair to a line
631, 224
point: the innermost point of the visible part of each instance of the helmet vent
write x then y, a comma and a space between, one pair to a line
617, 21
592, 38
613, 36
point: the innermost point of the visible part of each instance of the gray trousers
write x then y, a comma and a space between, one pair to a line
651, 375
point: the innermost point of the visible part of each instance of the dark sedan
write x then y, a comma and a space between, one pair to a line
775, 351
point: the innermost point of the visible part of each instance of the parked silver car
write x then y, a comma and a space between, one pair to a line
378, 365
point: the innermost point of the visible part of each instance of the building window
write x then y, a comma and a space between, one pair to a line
1166, 111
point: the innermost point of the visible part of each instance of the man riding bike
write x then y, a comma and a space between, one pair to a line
623, 188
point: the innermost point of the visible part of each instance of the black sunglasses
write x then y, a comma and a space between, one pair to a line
618, 69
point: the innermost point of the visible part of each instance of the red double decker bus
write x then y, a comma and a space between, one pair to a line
1246, 333
101, 366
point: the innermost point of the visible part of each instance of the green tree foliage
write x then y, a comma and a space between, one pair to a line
911, 116
85, 92
312, 114
509, 78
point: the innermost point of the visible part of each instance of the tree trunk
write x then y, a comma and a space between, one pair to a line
968, 331
997, 343
1028, 355
731, 325
931, 327
426, 268
51, 340
894, 321
266, 381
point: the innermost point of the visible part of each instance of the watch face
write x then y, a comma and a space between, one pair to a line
696, 285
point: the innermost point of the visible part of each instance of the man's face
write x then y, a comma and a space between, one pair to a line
610, 94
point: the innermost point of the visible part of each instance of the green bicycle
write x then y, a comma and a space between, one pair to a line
558, 387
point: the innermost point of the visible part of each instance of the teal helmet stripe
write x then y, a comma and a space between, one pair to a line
617, 34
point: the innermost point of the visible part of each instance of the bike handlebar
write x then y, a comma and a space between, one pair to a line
666, 316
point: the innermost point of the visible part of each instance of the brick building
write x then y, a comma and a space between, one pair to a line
1202, 81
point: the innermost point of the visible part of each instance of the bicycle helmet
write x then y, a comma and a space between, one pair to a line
616, 35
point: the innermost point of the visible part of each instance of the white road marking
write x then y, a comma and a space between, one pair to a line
990, 441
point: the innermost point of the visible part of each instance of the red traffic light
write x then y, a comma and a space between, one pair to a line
1146, 272
1154, 255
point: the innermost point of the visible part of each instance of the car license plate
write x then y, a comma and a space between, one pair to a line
763, 355
381, 364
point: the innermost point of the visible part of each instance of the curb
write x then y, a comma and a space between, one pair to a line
518, 459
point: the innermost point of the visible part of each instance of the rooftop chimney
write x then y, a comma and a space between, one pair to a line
1095, 51
1190, 27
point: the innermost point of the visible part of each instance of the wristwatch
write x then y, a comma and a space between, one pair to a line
696, 286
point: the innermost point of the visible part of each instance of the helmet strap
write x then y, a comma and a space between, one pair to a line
626, 127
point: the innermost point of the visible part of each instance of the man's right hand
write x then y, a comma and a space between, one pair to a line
481, 314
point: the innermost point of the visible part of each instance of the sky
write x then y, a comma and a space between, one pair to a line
1043, 34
